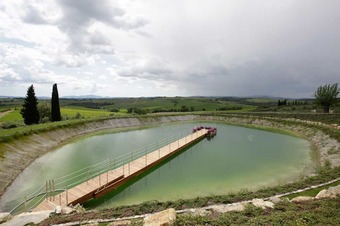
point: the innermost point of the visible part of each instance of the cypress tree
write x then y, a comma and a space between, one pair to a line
55, 108
29, 109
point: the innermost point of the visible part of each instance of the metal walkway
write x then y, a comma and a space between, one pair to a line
99, 179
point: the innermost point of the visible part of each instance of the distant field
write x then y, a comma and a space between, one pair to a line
70, 112
261, 100
89, 108
13, 116
163, 103
84, 112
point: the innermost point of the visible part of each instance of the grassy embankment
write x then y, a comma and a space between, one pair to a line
317, 212
76, 111
279, 214
324, 174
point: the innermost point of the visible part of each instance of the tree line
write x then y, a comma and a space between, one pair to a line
293, 102
325, 96
30, 111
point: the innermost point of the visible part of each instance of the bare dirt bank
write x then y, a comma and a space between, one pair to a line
20, 153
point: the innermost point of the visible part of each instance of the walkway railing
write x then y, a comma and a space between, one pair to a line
52, 187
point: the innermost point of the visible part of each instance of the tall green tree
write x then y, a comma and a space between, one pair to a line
55, 108
29, 109
326, 96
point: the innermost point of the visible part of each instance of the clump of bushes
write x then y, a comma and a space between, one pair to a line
9, 125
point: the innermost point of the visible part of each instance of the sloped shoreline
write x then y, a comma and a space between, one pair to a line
22, 152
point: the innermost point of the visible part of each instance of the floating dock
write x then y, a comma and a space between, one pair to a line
112, 179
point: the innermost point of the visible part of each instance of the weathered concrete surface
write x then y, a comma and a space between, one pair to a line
237, 207
25, 218
4, 217
262, 204
166, 217
302, 199
331, 192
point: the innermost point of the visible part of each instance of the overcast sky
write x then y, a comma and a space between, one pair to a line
169, 48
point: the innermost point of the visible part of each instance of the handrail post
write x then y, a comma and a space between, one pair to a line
25, 203
107, 177
99, 179
66, 196
59, 199
88, 177
53, 188
129, 168
146, 157
50, 189
114, 163
46, 192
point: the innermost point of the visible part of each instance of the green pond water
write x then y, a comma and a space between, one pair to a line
235, 158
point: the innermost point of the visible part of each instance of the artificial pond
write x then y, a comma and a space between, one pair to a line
236, 158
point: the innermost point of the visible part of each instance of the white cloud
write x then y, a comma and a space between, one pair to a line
141, 48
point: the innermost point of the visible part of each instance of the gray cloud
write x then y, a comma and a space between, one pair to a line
78, 16
33, 16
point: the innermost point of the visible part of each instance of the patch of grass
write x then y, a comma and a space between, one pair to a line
319, 212
313, 192
13, 116
84, 112
7, 135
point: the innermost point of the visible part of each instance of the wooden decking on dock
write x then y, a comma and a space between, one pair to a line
112, 179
